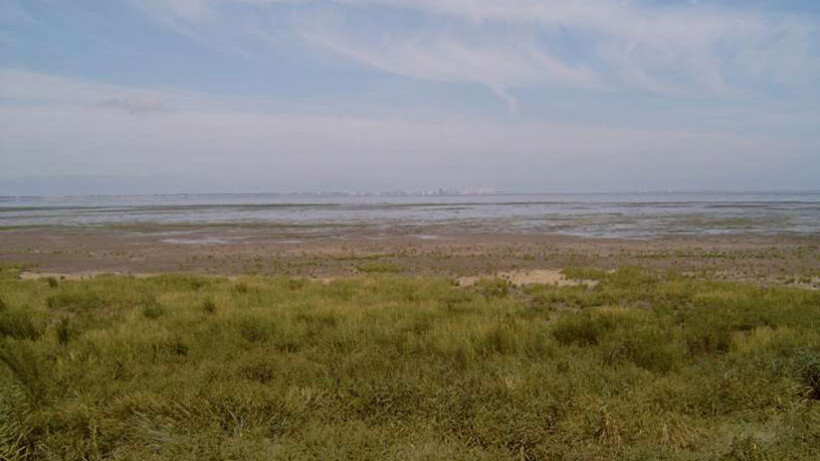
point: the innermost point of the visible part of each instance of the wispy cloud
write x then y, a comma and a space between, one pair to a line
498, 66
683, 49
23, 87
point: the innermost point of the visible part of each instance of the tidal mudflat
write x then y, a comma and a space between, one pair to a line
770, 260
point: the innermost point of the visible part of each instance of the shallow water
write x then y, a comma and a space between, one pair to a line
599, 215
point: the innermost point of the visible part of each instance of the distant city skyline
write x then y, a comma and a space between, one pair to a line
232, 96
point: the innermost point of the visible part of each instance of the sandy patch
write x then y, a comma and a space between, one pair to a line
530, 277
62, 276
29, 275
197, 241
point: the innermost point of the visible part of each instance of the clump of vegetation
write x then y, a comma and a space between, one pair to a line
493, 288
65, 331
241, 288
584, 273
18, 324
25, 367
378, 267
747, 448
297, 284
153, 311
583, 329
76, 302
209, 306
255, 330
640, 366
808, 369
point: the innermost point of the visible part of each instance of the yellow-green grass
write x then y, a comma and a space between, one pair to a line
641, 366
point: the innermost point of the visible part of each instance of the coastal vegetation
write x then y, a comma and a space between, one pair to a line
628, 364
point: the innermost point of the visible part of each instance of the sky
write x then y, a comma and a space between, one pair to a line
186, 96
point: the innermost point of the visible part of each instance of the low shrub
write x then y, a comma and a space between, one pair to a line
583, 329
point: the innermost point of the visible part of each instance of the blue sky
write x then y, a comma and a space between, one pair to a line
297, 95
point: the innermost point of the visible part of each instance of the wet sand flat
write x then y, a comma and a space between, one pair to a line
238, 250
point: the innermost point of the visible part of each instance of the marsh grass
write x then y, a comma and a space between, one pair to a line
378, 267
19, 324
641, 366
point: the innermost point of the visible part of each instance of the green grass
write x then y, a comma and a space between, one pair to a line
377, 267
641, 366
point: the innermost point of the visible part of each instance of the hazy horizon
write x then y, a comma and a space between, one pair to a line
114, 187
277, 96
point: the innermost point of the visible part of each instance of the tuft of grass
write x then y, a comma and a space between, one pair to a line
493, 288
747, 448
18, 324
241, 288
75, 302
645, 346
807, 369
65, 331
708, 340
584, 329
208, 306
255, 330
28, 369
153, 311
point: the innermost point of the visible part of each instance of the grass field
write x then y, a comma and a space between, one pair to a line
642, 366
